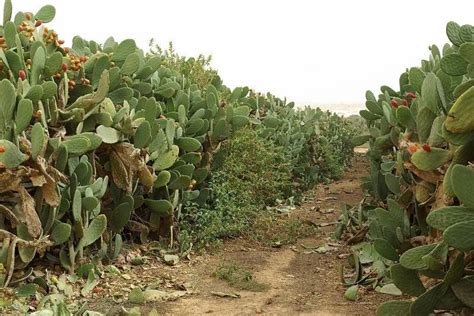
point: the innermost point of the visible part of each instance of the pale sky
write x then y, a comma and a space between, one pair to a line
312, 52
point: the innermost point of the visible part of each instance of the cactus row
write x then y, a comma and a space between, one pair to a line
421, 150
97, 138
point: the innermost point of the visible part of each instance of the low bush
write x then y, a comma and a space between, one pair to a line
247, 176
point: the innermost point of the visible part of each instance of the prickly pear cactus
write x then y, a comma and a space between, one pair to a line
95, 139
98, 139
421, 153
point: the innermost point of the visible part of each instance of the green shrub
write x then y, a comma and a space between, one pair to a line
253, 176
197, 69
254, 171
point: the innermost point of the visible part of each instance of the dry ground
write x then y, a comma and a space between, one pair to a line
300, 283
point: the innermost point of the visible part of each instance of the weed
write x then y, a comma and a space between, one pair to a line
253, 176
239, 278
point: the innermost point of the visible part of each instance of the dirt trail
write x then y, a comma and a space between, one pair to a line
301, 283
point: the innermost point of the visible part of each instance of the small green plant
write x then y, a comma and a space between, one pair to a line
239, 278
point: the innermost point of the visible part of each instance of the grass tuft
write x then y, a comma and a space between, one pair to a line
239, 278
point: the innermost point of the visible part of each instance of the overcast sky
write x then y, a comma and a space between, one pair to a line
315, 52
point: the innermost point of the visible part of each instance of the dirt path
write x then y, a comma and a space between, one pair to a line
300, 283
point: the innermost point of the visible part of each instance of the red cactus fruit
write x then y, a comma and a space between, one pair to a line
22, 74
411, 95
426, 147
64, 67
37, 23
405, 102
2, 149
394, 103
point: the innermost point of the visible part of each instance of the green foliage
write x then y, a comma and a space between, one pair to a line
96, 140
317, 144
421, 153
248, 174
196, 68
251, 166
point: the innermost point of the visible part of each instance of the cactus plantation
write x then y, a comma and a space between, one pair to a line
103, 143
104, 146
422, 179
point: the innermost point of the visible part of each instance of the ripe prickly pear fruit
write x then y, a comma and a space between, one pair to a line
394, 103
222, 104
37, 23
404, 102
22, 74
2, 149
412, 148
426, 147
64, 67
411, 95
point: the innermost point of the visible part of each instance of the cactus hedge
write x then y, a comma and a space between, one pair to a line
97, 138
421, 176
